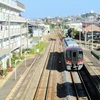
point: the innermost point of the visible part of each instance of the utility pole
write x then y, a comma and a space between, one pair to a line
9, 29
85, 33
27, 32
9, 39
21, 39
92, 35
80, 37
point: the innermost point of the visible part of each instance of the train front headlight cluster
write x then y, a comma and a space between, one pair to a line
80, 61
68, 62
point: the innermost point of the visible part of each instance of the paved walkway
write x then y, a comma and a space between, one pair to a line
7, 84
88, 54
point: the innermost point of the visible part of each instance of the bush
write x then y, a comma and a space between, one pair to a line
5, 72
39, 46
1, 64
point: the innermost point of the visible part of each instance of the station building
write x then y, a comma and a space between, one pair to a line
90, 27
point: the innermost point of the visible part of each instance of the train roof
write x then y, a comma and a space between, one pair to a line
68, 39
74, 48
70, 42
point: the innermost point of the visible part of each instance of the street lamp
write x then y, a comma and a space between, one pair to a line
25, 57
80, 36
15, 67
85, 38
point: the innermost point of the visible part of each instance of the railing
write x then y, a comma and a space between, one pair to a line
89, 45
13, 4
11, 18
13, 32
10, 2
14, 43
20, 5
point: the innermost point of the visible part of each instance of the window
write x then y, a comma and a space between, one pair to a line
80, 55
68, 55
74, 54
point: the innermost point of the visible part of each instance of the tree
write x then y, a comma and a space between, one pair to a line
1, 68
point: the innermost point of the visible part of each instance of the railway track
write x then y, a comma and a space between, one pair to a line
22, 82
79, 87
82, 90
37, 79
42, 88
91, 87
48, 79
32, 86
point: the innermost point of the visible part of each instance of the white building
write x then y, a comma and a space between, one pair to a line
39, 29
77, 26
13, 29
36, 29
46, 28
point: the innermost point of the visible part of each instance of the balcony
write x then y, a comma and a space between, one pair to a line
14, 43
12, 18
13, 32
20, 5
13, 4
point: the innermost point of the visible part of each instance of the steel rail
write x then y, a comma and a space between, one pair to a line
89, 98
49, 75
77, 95
37, 89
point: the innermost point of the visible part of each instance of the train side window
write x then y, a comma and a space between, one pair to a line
80, 55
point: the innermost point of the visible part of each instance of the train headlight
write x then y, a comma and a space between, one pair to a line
68, 62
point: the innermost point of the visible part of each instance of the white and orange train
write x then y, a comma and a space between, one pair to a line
73, 54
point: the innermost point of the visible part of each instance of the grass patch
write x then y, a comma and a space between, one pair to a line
40, 46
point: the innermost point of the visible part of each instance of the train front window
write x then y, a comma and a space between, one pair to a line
74, 54
80, 55
68, 55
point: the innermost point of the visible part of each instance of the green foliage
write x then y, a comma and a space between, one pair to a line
5, 72
76, 33
88, 15
7, 62
1, 64
28, 50
46, 23
66, 26
30, 30
52, 26
39, 46
15, 57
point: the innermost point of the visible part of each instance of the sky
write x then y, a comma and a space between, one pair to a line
53, 8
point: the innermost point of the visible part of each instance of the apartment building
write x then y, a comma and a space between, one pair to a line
13, 29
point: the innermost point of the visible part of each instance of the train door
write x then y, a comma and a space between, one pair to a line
74, 57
